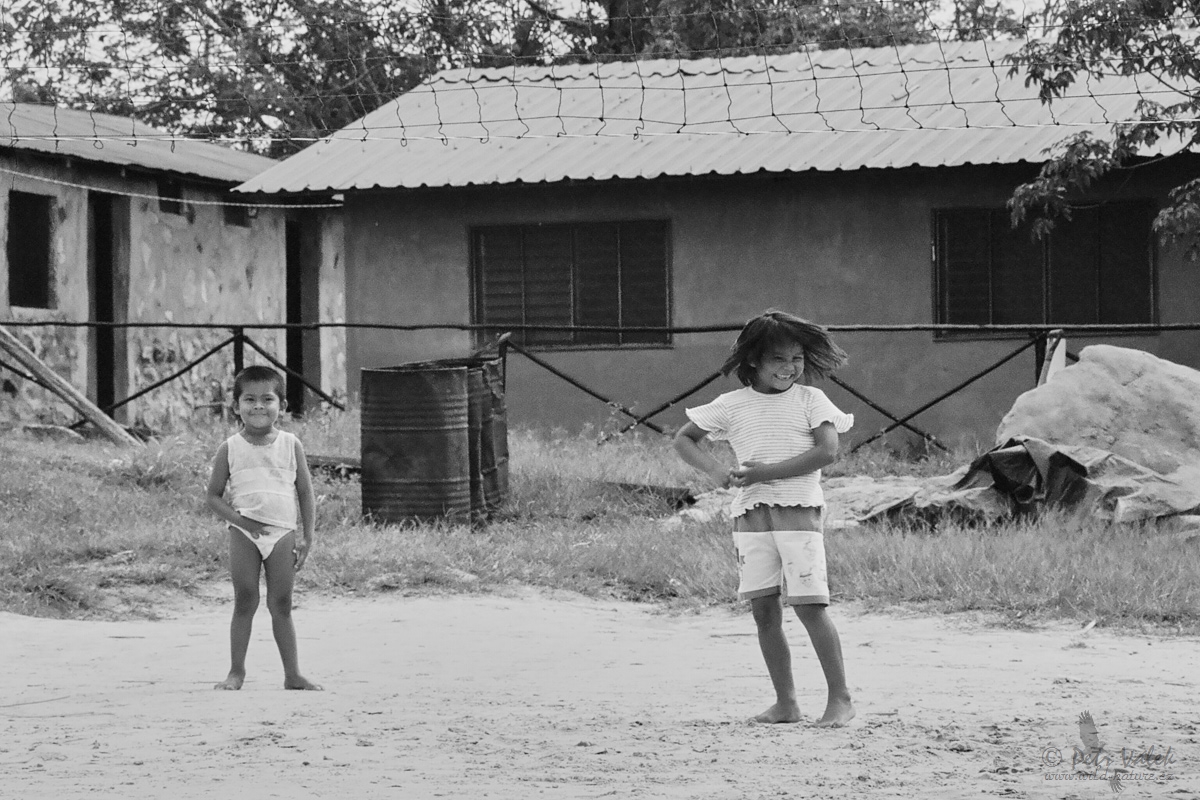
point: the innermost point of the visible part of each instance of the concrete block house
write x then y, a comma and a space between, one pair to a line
851, 187
105, 219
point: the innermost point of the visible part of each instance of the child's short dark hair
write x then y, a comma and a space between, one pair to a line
258, 372
774, 328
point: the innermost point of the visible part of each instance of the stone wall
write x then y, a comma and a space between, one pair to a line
190, 267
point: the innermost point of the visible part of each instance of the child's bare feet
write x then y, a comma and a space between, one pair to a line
780, 712
302, 683
838, 712
233, 682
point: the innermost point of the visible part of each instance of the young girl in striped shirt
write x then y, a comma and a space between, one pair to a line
782, 433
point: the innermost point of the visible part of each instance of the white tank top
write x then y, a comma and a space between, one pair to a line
262, 480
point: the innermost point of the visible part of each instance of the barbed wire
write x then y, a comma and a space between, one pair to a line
451, 85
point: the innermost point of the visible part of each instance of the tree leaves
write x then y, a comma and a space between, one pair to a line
1096, 38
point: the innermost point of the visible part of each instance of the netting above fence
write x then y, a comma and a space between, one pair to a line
273, 77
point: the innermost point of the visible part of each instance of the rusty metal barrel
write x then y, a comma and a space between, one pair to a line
434, 440
487, 431
415, 442
493, 460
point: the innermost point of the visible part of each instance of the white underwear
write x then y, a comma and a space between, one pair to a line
265, 541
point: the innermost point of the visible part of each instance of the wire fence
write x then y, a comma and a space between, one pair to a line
1032, 337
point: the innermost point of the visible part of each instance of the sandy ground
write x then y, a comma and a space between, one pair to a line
533, 696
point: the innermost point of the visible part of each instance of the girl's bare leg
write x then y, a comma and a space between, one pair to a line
768, 616
825, 640
244, 566
281, 575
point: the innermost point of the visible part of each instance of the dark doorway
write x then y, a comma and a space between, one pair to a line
295, 314
303, 233
107, 289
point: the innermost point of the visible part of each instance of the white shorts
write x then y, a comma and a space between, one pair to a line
775, 560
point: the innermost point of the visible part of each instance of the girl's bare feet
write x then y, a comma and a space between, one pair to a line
780, 712
838, 712
302, 683
233, 682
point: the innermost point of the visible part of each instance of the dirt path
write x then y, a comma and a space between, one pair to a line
527, 696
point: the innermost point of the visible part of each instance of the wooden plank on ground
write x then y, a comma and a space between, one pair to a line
72, 396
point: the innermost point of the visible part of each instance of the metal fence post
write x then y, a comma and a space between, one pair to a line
239, 349
1039, 354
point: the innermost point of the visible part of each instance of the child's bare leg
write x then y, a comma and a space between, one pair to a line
244, 561
768, 616
281, 575
825, 640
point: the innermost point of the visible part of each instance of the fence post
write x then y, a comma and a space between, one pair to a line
239, 349
1039, 354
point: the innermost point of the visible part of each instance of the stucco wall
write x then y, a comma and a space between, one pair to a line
850, 248
188, 268
195, 268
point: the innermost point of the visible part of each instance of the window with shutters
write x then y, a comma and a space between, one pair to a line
1096, 268
611, 275
30, 225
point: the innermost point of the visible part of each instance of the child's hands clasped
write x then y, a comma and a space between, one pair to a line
741, 476
737, 477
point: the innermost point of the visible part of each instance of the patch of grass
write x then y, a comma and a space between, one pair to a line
1054, 566
86, 520
55, 591
328, 432
174, 465
74, 506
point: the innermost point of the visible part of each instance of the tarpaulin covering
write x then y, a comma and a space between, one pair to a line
1025, 475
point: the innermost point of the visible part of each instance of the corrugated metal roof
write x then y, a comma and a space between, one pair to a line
939, 104
122, 141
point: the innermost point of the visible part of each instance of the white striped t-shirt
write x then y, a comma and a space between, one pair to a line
771, 428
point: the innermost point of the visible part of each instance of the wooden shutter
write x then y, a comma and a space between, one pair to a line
611, 274
964, 268
1018, 281
597, 275
548, 290
644, 274
499, 282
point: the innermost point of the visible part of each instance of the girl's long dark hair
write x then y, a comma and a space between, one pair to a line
774, 328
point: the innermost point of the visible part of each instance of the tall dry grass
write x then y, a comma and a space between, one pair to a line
84, 522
